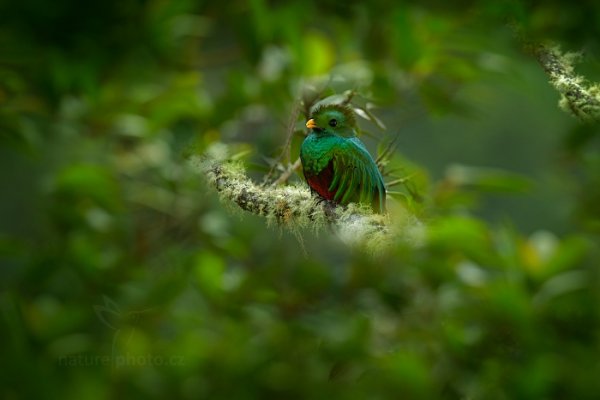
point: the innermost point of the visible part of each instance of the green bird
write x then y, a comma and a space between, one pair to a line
336, 164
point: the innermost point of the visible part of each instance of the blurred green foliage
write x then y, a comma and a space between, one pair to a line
123, 276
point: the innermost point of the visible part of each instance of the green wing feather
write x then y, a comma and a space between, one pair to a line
356, 177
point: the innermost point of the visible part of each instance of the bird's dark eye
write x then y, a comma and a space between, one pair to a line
333, 122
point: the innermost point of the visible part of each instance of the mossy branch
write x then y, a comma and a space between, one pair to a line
294, 207
578, 97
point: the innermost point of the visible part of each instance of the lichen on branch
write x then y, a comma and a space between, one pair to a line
578, 97
294, 207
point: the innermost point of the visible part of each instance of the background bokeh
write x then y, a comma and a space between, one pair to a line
123, 276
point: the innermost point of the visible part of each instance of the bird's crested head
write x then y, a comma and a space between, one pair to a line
334, 119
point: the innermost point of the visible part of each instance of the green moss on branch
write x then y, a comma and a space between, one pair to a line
294, 207
578, 97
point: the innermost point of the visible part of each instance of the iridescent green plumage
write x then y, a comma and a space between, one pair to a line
336, 163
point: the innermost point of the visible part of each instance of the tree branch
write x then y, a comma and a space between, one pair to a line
577, 96
295, 208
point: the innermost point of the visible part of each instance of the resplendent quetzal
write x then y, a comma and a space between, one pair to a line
336, 164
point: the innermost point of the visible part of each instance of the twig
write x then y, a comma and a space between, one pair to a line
397, 181
286, 151
287, 173
389, 149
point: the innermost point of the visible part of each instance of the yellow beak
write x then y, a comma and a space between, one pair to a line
310, 124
